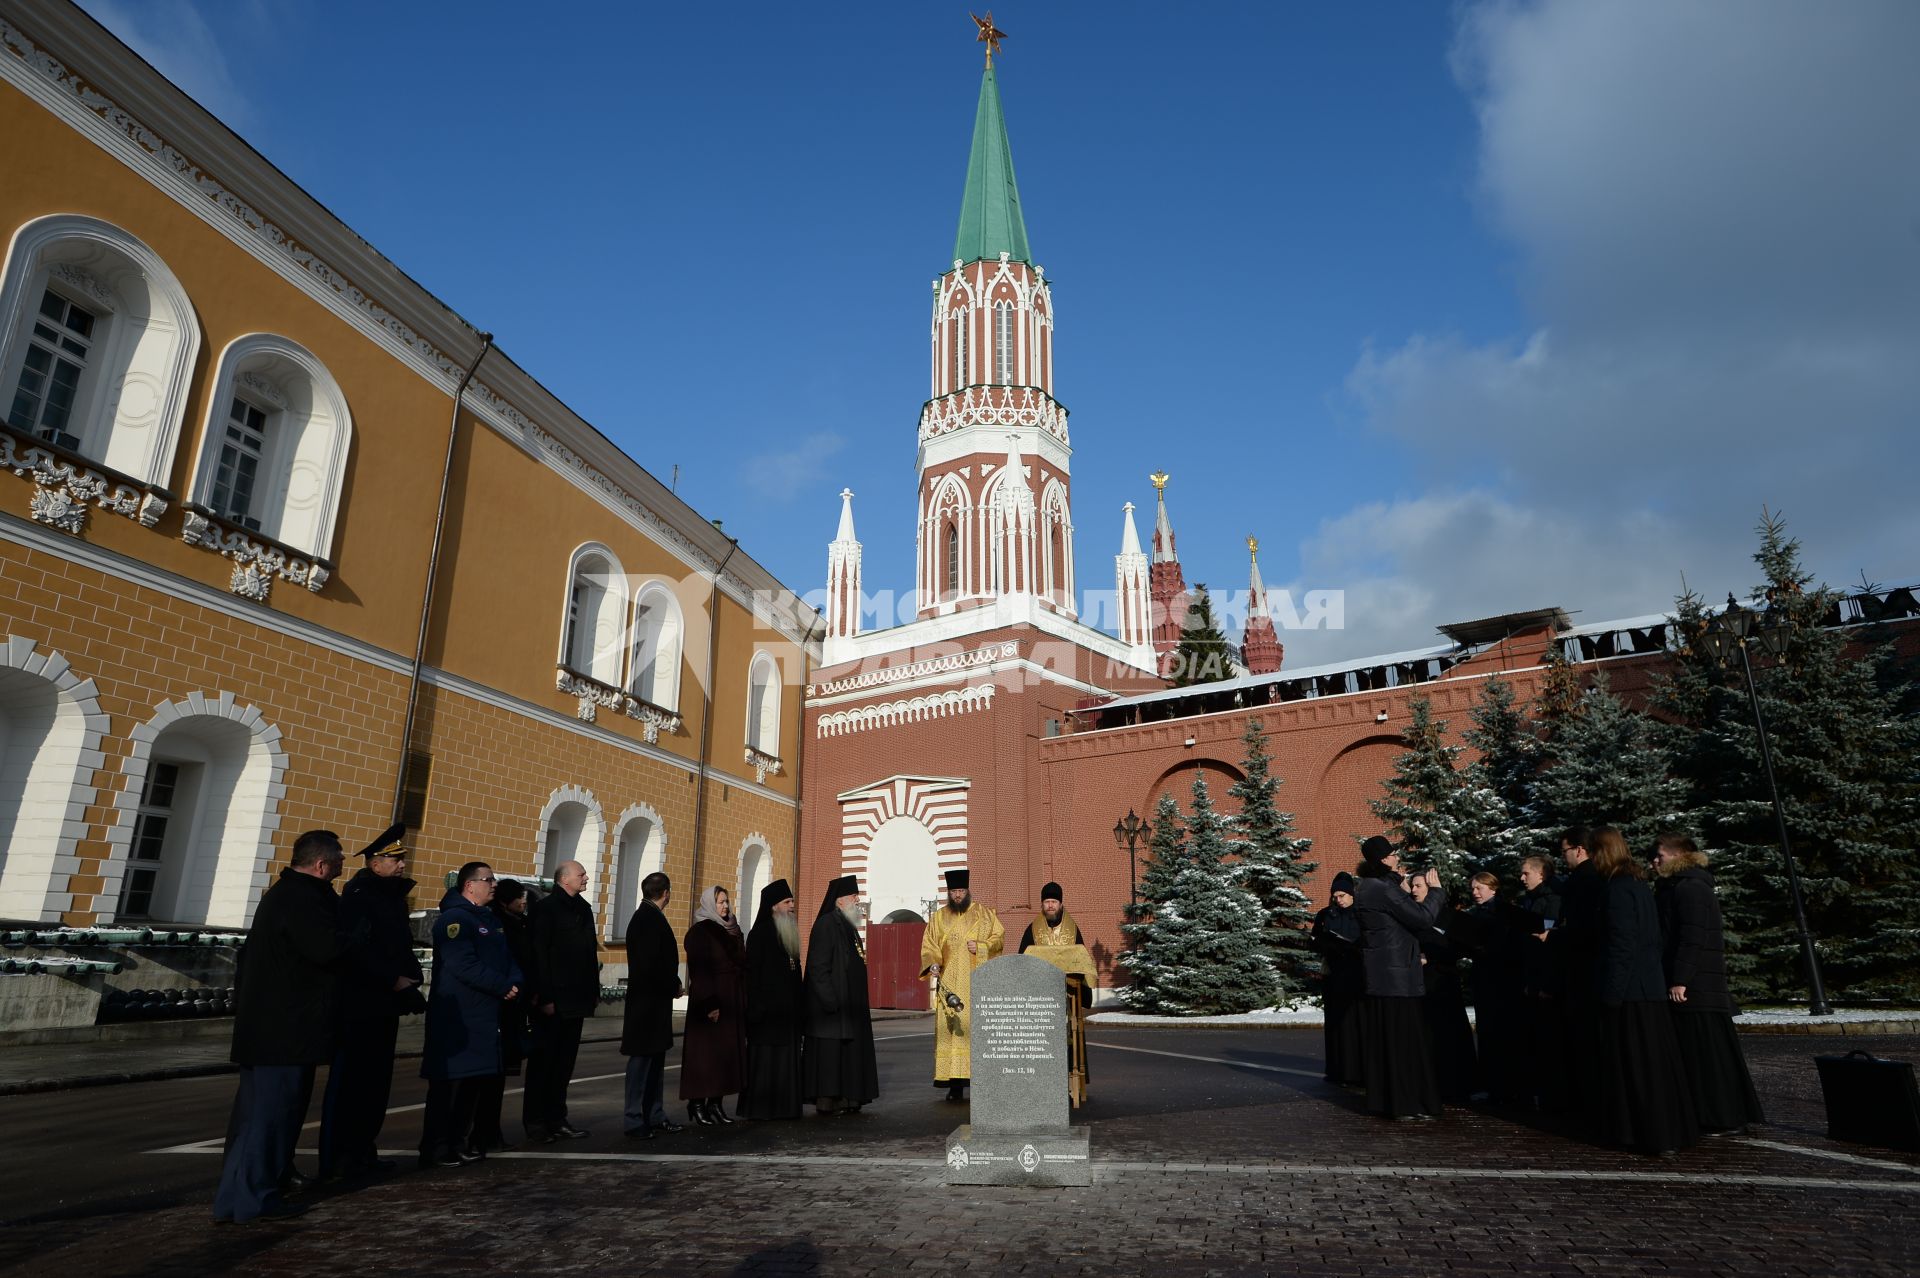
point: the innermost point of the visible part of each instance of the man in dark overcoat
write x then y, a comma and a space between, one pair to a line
473, 970
653, 982
776, 1008
382, 983
839, 1071
566, 950
286, 1003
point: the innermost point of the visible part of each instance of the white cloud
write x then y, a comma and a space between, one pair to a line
784, 475
1718, 225
175, 38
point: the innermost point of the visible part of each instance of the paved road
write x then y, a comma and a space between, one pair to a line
1215, 1152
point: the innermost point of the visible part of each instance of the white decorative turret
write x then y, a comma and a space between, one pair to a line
843, 576
1013, 546
1134, 602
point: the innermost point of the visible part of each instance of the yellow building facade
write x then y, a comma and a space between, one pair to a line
226, 425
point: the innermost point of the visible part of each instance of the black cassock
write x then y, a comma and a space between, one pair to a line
839, 1061
1336, 934
776, 1020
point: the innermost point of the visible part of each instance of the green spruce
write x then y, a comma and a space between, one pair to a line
1204, 655
1439, 817
1272, 866
1200, 952
1846, 750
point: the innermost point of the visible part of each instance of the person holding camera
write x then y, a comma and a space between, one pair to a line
1396, 1058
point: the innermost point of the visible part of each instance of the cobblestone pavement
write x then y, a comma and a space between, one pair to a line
1215, 1153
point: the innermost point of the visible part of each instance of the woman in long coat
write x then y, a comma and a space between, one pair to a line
1343, 982
714, 1053
1643, 1101
1695, 964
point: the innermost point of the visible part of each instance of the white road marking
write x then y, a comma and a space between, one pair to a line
1106, 1168
1885, 1164
219, 1142
1213, 1060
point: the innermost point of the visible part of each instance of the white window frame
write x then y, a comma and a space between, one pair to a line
1003, 360
763, 708
603, 666
303, 468
129, 410
659, 645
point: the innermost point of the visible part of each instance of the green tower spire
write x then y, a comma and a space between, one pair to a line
990, 221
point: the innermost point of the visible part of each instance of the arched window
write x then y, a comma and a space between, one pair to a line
97, 342
657, 631
962, 319
1003, 343
591, 640
273, 455
763, 705
639, 848
953, 561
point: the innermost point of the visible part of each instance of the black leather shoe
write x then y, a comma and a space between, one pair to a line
445, 1158
642, 1133
472, 1155
538, 1135
668, 1126
294, 1183
567, 1131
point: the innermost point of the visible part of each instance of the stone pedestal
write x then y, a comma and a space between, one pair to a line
1018, 1044
1001, 1158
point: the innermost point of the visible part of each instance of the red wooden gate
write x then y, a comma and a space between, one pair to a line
893, 966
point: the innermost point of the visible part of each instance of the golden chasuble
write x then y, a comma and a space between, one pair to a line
945, 943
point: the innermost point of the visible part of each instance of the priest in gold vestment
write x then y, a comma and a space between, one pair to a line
959, 938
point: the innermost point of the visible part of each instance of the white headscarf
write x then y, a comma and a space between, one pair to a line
709, 910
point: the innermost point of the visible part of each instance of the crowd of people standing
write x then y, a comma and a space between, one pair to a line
325, 977
1596, 995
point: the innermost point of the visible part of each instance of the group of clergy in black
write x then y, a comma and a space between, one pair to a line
1596, 996
757, 1024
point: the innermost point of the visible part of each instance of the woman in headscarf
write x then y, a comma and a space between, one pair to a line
1343, 981
1643, 1102
1401, 1081
714, 1044
1695, 966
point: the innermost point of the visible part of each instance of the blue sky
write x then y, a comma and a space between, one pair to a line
1461, 309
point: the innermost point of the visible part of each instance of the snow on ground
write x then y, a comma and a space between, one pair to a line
1309, 1014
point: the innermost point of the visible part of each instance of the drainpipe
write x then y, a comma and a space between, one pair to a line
706, 714
800, 758
433, 574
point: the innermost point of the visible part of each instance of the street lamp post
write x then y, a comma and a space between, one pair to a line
1126, 834
1733, 630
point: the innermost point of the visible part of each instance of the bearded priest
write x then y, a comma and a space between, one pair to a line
839, 1069
960, 937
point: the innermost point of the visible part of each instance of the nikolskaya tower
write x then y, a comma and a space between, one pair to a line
994, 511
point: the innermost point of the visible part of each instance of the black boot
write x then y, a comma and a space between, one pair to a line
718, 1109
697, 1113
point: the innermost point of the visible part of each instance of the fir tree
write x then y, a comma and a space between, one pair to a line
1846, 752
1167, 856
1204, 655
1272, 866
1440, 817
1201, 953
1611, 768
1508, 767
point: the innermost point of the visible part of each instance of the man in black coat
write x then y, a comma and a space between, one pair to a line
1576, 947
1540, 985
283, 1026
776, 1008
653, 982
840, 1071
566, 953
381, 984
